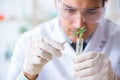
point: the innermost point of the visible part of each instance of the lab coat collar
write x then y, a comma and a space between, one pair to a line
98, 39
60, 37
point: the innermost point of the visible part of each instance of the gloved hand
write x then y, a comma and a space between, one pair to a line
38, 52
93, 66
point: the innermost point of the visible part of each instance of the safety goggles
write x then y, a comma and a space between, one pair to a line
92, 15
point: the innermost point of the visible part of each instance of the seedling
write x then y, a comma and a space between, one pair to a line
79, 43
79, 32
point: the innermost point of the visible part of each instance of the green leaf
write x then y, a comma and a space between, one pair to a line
75, 33
79, 31
82, 30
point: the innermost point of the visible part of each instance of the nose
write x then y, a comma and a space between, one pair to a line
78, 21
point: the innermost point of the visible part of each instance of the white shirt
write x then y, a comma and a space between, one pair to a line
106, 39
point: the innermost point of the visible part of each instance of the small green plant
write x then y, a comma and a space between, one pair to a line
79, 32
79, 43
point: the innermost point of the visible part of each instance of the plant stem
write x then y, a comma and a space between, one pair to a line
79, 46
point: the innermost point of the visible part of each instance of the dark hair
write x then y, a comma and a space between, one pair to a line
103, 2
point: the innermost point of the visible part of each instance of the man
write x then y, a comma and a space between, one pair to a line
40, 53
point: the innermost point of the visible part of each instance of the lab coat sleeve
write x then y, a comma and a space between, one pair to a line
112, 46
17, 59
115, 57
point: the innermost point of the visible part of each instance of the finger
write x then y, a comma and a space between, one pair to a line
91, 64
95, 62
101, 61
86, 72
104, 74
43, 61
40, 61
89, 78
48, 48
84, 57
84, 65
55, 44
36, 59
42, 53
45, 55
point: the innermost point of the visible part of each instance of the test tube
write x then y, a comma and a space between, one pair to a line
79, 46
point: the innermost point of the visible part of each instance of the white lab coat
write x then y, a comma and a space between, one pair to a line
106, 39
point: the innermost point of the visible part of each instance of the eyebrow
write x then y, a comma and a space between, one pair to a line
94, 8
70, 7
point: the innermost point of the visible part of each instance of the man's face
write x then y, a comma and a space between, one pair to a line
79, 13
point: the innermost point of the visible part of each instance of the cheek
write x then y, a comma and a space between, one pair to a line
67, 25
90, 28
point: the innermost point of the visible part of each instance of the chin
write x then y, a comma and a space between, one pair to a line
74, 39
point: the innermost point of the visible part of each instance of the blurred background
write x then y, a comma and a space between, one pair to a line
18, 16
